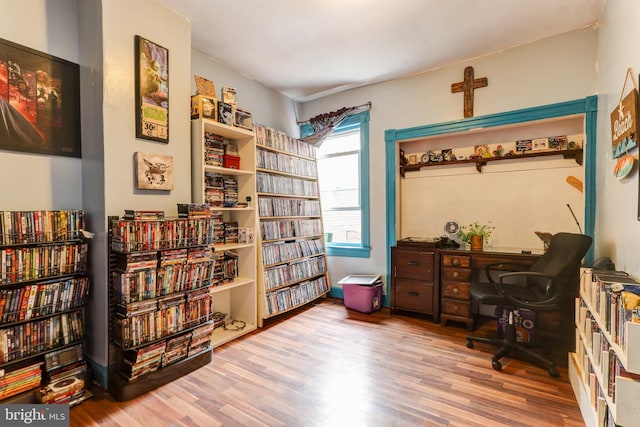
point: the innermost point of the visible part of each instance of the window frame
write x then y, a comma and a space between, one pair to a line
363, 249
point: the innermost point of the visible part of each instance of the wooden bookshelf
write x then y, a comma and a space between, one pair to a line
605, 367
293, 268
233, 296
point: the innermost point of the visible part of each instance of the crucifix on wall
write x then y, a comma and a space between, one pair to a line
468, 85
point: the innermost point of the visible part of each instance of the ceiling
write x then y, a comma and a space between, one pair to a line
307, 49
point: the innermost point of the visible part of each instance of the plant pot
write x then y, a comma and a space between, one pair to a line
476, 243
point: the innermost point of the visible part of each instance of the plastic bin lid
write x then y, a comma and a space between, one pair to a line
360, 279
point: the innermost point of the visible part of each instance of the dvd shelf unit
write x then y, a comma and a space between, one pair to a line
605, 369
160, 303
292, 258
229, 188
43, 291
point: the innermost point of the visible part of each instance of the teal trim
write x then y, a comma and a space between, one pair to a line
591, 125
100, 373
336, 293
334, 249
353, 122
587, 106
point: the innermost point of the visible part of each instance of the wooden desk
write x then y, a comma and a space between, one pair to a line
415, 279
458, 267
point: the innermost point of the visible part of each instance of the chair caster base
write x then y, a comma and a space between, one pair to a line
553, 372
496, 365
469, 343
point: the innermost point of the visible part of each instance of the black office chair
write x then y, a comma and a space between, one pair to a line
541, 288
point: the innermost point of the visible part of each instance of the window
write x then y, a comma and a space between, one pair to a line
343, 176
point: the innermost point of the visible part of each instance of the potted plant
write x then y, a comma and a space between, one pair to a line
475, 234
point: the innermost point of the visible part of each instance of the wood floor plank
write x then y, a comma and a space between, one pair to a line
324, 365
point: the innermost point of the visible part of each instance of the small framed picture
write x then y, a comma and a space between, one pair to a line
154, 171
243, 119
229, 95
225, 113
558, 142
539, 144
523, 145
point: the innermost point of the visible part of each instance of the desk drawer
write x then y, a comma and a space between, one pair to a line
456, 308
414, 265
415, 296
456, 261
456, 274
457, 290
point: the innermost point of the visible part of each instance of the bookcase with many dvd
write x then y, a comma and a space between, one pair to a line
43, 291
292, 258
605, 369
160, 304
229, 188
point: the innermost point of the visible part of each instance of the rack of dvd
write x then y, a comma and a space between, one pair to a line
229, 190
43, 290
293, 263
161, 317
605, 369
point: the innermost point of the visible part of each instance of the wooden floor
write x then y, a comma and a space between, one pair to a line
324, 365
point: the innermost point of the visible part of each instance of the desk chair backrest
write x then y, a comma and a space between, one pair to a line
561, 260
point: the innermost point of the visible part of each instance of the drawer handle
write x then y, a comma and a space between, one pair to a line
455, 261
456, 291
456, 275
413, 263
413, 294
456, 308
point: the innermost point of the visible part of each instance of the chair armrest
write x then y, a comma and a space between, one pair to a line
553, 290
512, 266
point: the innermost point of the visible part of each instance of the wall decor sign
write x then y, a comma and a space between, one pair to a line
154, 171
39, 102
152, 90
624, 121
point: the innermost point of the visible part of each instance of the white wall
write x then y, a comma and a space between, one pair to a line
617, 229
108, 28
553, 70
41, 181
267, 106
517, 197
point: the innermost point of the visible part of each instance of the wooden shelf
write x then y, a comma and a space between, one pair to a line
576, 154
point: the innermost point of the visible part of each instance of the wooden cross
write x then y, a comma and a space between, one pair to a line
467, 86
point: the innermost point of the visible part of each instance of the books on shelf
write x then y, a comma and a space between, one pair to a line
286, 228
20, 227
194, 210
18, 264
154, 235
279, 140
27, 339
273, 206
276, 184
20, 380
286, 163
293, 296
42, 299
143, 214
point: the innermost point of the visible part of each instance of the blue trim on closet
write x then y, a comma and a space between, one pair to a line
587, 106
